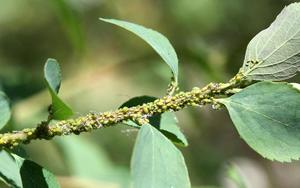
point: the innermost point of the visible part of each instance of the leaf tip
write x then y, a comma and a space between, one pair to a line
50, 61
107, 20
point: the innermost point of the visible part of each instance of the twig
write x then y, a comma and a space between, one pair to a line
195, 97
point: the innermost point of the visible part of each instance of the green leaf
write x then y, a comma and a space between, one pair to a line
33, 175
274, 53
156, 40
23, 173
9, 170
169, 127
267, 117
4, 110
60, 110
166, 123
156, 162
52, 74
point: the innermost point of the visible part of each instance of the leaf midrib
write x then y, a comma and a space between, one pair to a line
259, 113
285, 42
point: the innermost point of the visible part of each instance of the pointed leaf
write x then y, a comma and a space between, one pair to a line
52, 73
156, 162
267, 116
156, 40
274, 53
4, 110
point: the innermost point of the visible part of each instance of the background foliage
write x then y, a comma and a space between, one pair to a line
104, 66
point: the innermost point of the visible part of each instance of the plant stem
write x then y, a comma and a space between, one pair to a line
139, 114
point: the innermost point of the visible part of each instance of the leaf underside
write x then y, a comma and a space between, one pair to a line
274, 53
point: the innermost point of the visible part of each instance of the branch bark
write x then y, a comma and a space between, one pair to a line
138, 114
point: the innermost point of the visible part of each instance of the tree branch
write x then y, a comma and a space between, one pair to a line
138, 114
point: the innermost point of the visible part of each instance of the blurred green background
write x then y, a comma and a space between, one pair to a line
104, 66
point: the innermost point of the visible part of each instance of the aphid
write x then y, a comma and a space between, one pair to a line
194, 104
250, 64
195, 88
168, 100
145, 110
125, 109
160, 103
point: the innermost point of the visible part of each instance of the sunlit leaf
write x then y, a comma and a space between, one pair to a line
156, 40
267, 116
4, 110
52, 74
274, 53
156, 162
